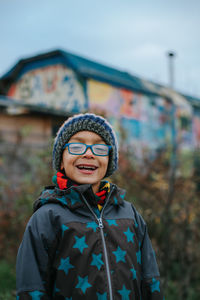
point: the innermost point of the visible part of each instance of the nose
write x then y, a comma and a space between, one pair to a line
88, 153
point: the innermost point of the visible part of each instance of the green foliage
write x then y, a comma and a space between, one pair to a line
7, 281
169, 203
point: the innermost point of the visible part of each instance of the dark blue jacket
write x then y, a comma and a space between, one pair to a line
70, 250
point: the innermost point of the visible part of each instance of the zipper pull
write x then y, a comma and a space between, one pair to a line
100, 223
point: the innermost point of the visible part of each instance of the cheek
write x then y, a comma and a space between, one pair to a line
105, 163
61, 165
64, 161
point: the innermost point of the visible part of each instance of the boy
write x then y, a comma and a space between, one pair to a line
84, 241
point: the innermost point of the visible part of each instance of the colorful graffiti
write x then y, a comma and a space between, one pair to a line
145, 120
148, 122
53, 86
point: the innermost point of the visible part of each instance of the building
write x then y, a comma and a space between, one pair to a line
40, 92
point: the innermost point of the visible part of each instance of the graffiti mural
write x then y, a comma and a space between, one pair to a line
104, 97
53, 86
145, 119
196, 128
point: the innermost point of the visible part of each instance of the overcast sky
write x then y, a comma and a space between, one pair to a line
130, 35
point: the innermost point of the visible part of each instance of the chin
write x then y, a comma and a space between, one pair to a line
85, 182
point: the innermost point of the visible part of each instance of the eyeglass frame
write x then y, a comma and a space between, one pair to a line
87, 146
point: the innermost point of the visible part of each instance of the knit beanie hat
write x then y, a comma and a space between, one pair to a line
88, 122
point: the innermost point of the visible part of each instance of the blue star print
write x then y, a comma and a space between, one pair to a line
134, 273
65, 265
62, 200
138, 254
155, 286
83, 284
102, 296
64, 228
97, 261
36, 295
124, 293
74, 197
92, 225
129, 234
120, 255
80, 243
112, 222
44, 200
115, 201
55, 290
136, 224
122, 196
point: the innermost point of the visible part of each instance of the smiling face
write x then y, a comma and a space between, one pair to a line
86, 168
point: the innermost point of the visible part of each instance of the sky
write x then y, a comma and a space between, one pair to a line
131, 35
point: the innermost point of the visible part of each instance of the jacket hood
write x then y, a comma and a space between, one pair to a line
72, 197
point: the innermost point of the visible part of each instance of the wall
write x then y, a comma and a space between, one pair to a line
54, 86
29, 130
149, 122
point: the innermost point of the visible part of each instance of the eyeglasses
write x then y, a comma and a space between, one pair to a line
80, 148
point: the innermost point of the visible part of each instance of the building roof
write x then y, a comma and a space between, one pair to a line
94, 70
85, 67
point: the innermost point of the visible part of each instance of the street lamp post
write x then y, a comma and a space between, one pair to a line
171, 56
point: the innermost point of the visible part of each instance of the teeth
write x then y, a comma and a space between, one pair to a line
86, 168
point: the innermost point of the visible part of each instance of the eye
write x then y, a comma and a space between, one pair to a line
76, 148
101, 149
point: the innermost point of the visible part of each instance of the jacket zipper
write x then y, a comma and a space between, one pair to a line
100, 223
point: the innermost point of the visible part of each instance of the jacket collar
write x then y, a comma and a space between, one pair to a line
72, 197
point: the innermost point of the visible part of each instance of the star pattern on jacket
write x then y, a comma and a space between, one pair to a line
136, 224
115, 200
97, 261
92, 225
62, 200
83, 284
124, 293
80, 243
65, 265
36, 295
122, 196
74, 197
138, 255
102, 296
155, 286
55, 290
120, 255
64, 228
129, 234
112, 222
83, 239
134, 272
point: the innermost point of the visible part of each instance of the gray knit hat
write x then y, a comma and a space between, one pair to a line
89, 122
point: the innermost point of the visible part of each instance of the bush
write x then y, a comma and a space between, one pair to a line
7, 280
168, 199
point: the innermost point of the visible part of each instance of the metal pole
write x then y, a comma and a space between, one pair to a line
171, 56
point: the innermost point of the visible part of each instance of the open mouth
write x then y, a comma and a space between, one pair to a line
86, 167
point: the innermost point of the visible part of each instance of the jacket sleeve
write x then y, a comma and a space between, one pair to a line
32, 268
151, 284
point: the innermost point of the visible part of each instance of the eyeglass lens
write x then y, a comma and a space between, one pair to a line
97, 149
